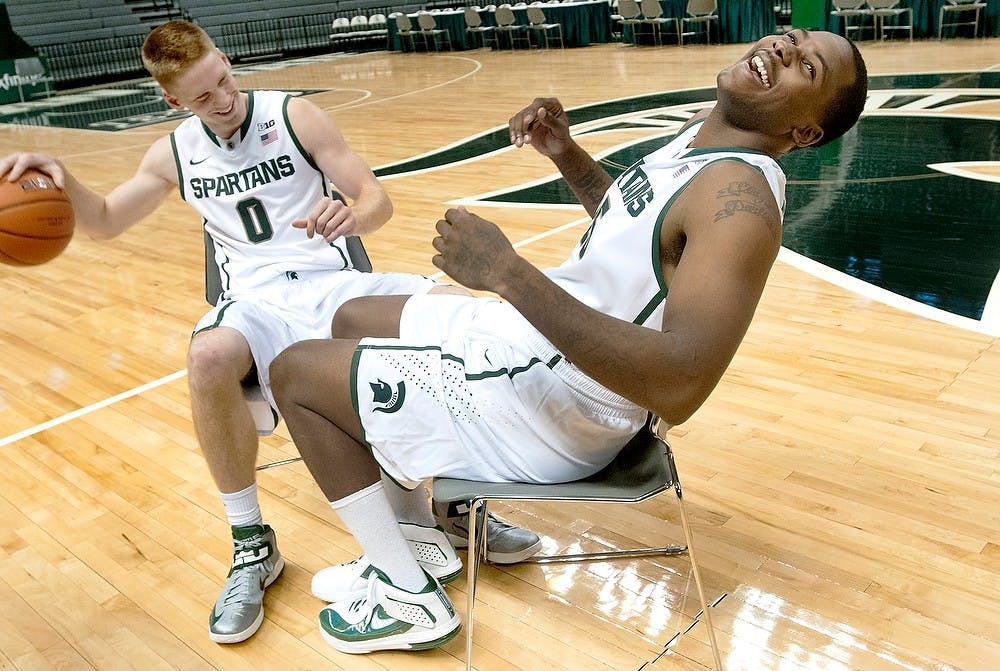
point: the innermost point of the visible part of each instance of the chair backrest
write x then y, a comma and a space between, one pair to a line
359, 20
629, 9
651, 9
882, 4
702, 7
340, 24
472, 18
536, 16
403, 24
505, 16
847, 4
377, 20
426, 21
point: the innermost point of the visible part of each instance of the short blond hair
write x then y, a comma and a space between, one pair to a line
172, 48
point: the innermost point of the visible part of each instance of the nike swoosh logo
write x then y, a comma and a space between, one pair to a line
378, 622
194, 162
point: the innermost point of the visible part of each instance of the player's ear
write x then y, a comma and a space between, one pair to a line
172, 101
805, 136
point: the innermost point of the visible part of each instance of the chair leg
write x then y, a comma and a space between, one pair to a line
689, 539
477, 549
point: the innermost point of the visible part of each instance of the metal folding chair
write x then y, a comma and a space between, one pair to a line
644, 468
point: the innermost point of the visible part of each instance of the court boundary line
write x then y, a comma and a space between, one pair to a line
86, 410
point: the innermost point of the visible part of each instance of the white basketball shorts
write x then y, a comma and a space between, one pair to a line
471, 390
300, 306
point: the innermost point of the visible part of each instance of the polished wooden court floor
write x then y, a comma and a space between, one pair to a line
843, 481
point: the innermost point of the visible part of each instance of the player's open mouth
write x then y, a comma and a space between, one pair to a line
757, 66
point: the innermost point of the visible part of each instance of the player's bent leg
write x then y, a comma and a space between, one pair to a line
218, 359
312, 377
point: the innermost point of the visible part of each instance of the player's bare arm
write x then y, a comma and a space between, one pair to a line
103, 217
544, 125
369, 207
728, 225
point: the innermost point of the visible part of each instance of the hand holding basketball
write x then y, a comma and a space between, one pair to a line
36, 219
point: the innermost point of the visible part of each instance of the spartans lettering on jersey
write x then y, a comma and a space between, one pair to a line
635, 188
231, 183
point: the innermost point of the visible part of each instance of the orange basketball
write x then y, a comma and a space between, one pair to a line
36, 219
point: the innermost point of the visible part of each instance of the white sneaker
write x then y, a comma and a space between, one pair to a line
429, 545
387, 617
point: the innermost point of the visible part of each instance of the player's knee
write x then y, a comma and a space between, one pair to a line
283, 372
350, 319
213, 361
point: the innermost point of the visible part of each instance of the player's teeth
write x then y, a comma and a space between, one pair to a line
758, 63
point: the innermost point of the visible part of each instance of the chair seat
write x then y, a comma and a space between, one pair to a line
638, 472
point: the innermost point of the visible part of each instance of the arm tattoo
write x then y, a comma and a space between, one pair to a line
588, 181
741, 197
592, 187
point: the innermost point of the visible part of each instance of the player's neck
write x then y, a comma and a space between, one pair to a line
715, 132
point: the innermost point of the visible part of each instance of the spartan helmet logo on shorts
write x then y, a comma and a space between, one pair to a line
391, 399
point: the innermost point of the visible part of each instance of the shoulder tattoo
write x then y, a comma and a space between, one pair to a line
741, 197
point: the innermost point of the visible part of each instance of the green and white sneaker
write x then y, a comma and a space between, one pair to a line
387, 617
256, 564
505, 543
429, 545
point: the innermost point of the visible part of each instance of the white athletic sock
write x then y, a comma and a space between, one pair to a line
242, 507
369, 517
413, 506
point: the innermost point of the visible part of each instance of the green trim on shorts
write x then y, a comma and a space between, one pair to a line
355, 360
511, 373
218, 319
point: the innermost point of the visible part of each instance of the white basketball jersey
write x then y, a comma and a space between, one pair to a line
615, 268
249, 188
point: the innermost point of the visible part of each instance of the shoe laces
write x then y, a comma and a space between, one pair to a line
251, 543
239, 586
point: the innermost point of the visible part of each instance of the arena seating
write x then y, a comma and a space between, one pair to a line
85, 42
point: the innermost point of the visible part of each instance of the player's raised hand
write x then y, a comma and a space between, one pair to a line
543, 124
473, 251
